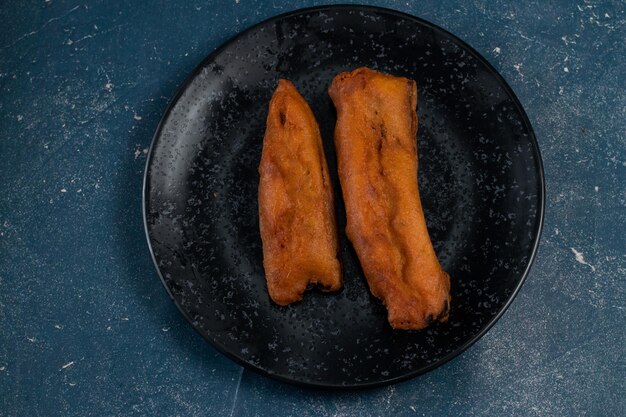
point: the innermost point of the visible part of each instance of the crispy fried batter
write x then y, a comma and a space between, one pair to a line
375, 138
296, 202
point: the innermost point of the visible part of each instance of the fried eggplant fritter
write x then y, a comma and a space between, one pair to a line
296, 202
375, 138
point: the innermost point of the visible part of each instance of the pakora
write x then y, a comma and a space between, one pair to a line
296, 202
375, 139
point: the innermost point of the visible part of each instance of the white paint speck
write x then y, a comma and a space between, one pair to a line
109, 328
72, 384
561, 91
20, 117
137, 153
497, 50
556, 231
596, 188
108, 86
58, 326
67, 365
145, 151
80, 190
518, 68
31, 339
581, 259
63, 190
567, 41
124, 319
565, 69
413, 408
3, 368
166, 329
136, 116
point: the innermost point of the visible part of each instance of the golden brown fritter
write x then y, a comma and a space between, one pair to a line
375, 138
296, 202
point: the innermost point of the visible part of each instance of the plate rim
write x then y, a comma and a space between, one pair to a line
377, 9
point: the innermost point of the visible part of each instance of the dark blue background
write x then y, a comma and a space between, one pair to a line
86, 327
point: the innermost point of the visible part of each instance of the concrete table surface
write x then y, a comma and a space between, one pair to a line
86, 327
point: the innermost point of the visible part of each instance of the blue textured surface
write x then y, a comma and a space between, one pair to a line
86, 327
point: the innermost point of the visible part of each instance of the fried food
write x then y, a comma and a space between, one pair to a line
296, 202
375, 138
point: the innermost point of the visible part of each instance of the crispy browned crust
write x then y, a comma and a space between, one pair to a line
296, 203
375, 137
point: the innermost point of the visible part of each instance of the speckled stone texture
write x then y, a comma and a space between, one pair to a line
86, 327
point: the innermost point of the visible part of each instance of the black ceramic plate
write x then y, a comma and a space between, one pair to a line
480, 177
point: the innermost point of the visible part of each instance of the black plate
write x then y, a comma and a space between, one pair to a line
481, 182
